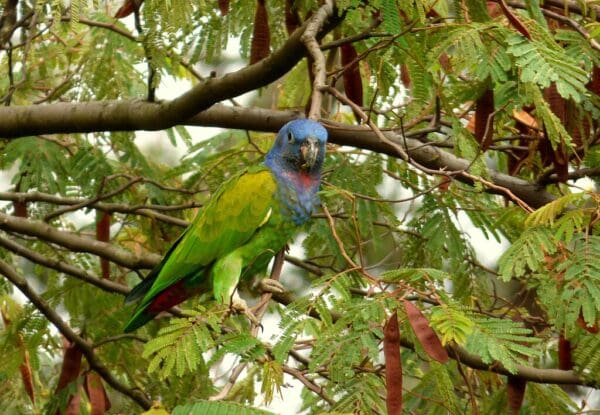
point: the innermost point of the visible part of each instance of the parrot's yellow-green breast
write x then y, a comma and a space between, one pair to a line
226, 223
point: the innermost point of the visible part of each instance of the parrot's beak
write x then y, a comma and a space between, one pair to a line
310, 151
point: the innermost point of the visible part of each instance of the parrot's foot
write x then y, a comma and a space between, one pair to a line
240, 306
267, 285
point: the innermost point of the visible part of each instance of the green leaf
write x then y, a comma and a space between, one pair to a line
548, 399
505, 341
272, 380
527, 253
414, 274
217, 408
453, 324
578, 289
391, 18
586, 356
542, 63
547, 214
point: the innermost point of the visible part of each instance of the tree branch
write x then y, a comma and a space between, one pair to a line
309, 38
18, 281
363, 137
131, 115
58, 265
141, 210
77, 243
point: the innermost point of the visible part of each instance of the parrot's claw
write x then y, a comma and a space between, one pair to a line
268, 285
241, 307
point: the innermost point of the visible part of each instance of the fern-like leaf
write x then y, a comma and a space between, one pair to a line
218, 408
505, 341
542, 65
526, 253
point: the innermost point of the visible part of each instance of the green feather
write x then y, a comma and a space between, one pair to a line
234, 235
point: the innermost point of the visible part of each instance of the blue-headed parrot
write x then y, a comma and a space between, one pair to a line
246, 222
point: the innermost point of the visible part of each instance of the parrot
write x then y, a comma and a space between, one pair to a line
250, 218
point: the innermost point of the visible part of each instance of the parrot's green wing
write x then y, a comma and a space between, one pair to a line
228, 221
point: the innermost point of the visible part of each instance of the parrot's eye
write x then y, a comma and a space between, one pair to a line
290, 137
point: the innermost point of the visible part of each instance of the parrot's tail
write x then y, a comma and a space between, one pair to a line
169, 297
140, 318
140, 290
143, 287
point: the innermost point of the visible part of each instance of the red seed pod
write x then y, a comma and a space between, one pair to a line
393, 366
292, 19
96, 393
405, 75
427, 337
514, 20
224, 7
516, 393
565, 361
20, 209
557, 103
352, 79
594, 84
71, 364
493, 9
128, 7
261, 36
103, 235
27, 374
484, 119
74, 404
70, 372
581, 323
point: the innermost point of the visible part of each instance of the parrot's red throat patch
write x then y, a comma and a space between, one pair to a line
302, 180
307, 180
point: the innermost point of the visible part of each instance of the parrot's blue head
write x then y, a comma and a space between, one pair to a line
296, 159
299, 147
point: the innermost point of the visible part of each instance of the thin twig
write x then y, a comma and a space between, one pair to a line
141, 210
308, 383
119, 337
99, 197
338, 241
501, 189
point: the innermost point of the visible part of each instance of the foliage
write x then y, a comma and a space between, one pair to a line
216, 408
497, 282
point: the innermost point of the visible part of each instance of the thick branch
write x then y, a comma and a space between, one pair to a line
77, 243
61, 266
363, 137
130, 115
17, 280
259, 119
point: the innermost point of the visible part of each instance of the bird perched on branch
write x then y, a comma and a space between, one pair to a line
247, 221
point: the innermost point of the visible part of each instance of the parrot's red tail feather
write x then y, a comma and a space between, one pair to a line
170, 297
